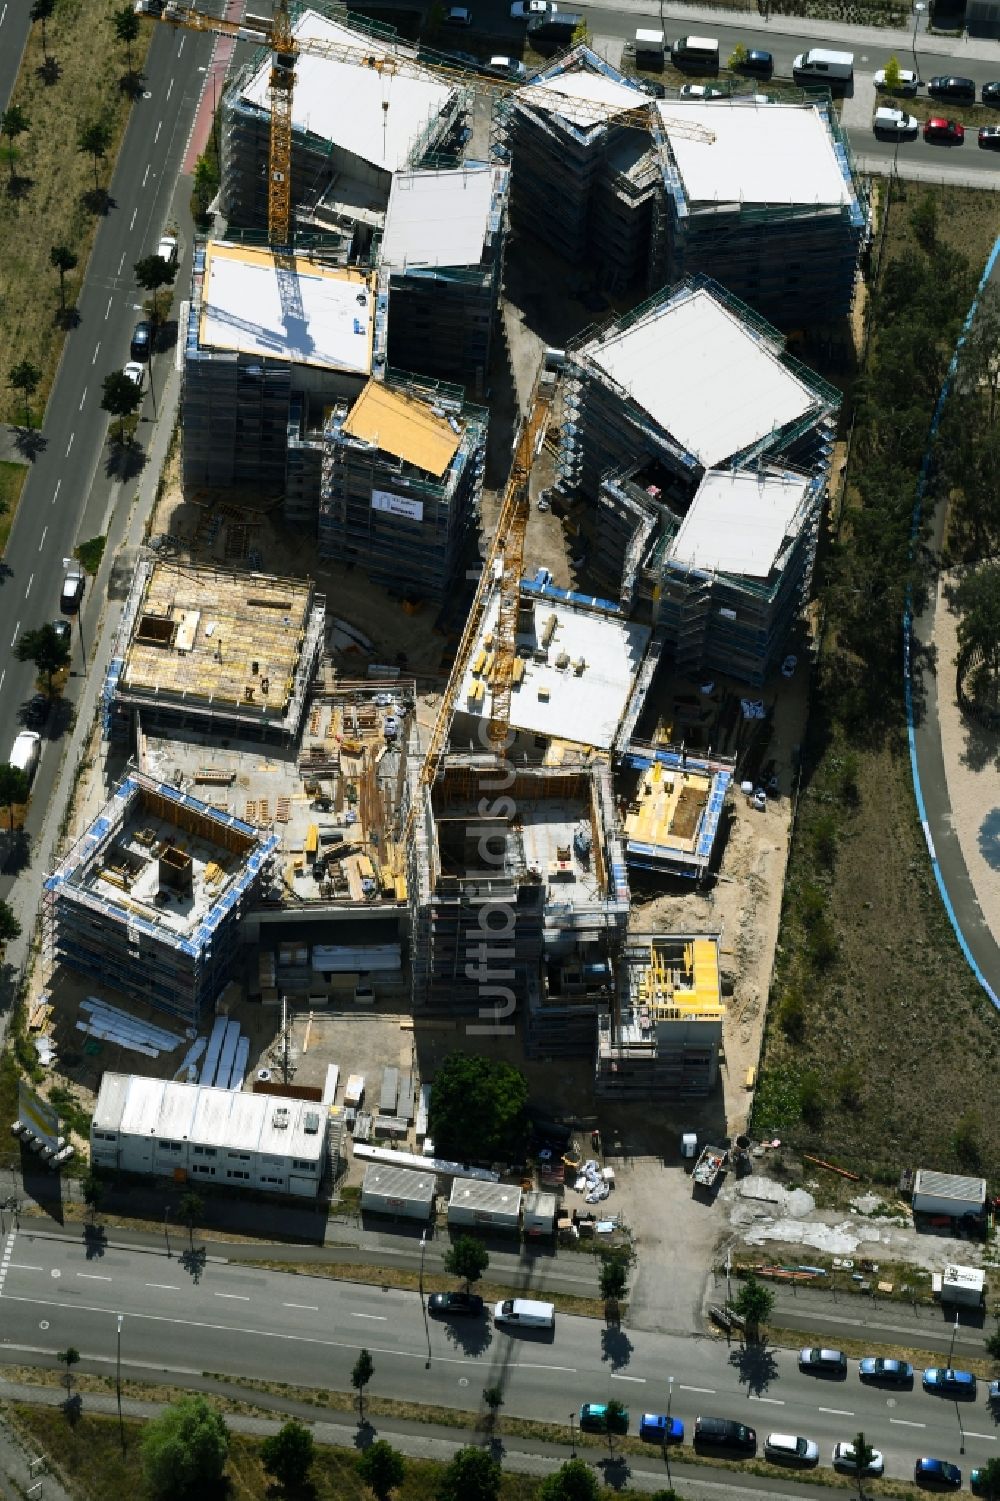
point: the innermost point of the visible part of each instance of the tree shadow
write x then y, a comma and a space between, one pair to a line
66, 317
16, 854
471, 1336
19, 187
616, 1471
95, 1239
72, 1409
49, 72
365, 1435
132, 85
193, 1260
125, 460
98, 201
496, 1448
755, 1365
616, 1347
29, 442
306, 1491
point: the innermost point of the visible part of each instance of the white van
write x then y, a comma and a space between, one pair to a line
525, 1313
820, 66
894, 122
25, 751
695, 52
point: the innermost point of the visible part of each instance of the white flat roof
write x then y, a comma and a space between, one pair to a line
702, 375
587, 86
737, 523
584, 709
241, 309
438, 218
343, 101
762, 153
141, 1113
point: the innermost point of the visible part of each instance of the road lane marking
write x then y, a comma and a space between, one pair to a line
180, 49
2, 676
774, 1401
144, 176
82, 399
170, 88
107, 310
30, 582
618, 1376
69, 445
17, 632
3, 14
990, 1438
122, 261
708, 1391
837, 1412
537, 1365
906, 1423
42, 543
132, 223
239, 1297
96, 349
379, 1318
308, 1307
5, 1262
159, 127
93, 1276
22, 1266
170, 1287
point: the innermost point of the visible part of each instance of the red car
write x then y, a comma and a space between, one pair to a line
939, 129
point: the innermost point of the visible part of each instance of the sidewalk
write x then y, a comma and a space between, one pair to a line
850, 1315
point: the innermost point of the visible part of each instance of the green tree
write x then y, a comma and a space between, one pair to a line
738, 56
152, 273
94, 140
753, 1303
989, 1479
467, 1258
382, 1468
93, 1193
993, 1345
41, 10
861, 1457
470, 1475
613, 1275
126, 24
893, 76
13, 122
288, 1454
63, 259
13, 790
573, 1481
190, 1211
364, 1370
477, 1110
121, 398
924, 222
25, 377
47, 649
616, 1417
10, 928
69, 1358
184, 1451
978, 601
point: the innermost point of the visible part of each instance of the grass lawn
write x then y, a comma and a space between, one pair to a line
51, 211
12, 477
897, 1040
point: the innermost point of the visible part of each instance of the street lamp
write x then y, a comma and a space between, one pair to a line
918, 9
670, 1393
118, 1383
954, 1335
572, 1435
166, 1231
423, 1300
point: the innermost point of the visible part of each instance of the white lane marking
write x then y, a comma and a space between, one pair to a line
708, 1391
774, 1401
617, 1376
239, 1297
170, 88
309, 1307
82, 399
378, 1318
145, 175
30, 582
837, 1412
159, 127
122, 261
170, 1287
22, 1266
107, 310
69, 445
17, 632
132, 221
6, 1262
989, 1438
2, 676
180, 49
536, 1365
42, 543
906, 1423
93, 1276
3, 13
97, 348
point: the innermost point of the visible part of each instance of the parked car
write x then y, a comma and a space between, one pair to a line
142, 341
167, 248
594, 1418
885, 1369
62, 630
990, 93
651, 87
788, 1448
757, 62
724, 1433
148, 7
505, 67
948, 1382
843, 1460
36, 711
938, 129
72, 590
908, 81
821, 1362
133, 370
702, 91
944, 86
894, 122
451, 1305
939, 1472
989, 137
978, 1483
657, 1428
458, 15
522, 9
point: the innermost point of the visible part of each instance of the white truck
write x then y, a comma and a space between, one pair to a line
960, 1286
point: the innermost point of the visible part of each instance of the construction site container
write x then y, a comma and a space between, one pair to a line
398, 1191
948, 1194
495, 1204
964, 1286
540, 1214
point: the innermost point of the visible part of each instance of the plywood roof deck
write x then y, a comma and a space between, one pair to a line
668, 808
406, 428
199, 632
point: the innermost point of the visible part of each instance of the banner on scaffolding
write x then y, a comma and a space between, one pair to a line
36, 1114
397, 505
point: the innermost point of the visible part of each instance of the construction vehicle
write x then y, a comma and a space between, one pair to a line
709, 1168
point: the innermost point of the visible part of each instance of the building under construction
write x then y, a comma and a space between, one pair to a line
662, 1036
690, 380
761, 195
443, 250
357, 120
151, 899
402, 474
229, 652
580, 182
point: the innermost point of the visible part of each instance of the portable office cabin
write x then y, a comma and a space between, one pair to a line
948, 1194
495, 1204
398, 1191
540, 1214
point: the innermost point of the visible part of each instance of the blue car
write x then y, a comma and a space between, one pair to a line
755, 61
657, 1428
886, 1370
949, 1383
938, 1472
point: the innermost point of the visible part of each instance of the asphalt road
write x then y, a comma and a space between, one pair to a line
15, 23
188, 1315
71, 489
